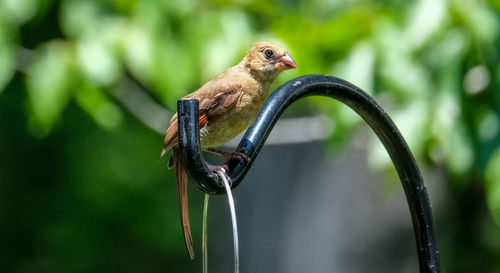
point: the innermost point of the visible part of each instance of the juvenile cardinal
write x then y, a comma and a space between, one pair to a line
228, 105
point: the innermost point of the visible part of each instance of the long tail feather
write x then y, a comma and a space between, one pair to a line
182, 182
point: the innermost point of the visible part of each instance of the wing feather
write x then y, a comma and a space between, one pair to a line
211, 108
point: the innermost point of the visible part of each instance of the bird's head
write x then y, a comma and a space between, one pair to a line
268, 59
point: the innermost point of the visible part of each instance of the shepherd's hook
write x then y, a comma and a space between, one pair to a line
285, 95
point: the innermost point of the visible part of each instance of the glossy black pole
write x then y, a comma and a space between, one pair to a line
189, 144
355, 98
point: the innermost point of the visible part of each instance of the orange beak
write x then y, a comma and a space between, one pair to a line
285, 62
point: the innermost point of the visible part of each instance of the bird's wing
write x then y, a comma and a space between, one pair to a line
215, 100
224, 101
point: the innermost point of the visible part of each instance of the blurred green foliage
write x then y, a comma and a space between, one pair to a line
433, 64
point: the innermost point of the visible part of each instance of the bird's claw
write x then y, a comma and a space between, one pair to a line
215, 168
240, 155
228, 157
236, 155
224, 169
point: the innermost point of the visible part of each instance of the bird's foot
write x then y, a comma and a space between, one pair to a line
228, 157
215, 169
236, 155
240, 155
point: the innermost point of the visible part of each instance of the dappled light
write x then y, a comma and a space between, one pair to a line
87, 89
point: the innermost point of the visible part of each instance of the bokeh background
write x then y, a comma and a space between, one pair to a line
87, 86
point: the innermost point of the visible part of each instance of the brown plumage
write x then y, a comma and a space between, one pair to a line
228, 104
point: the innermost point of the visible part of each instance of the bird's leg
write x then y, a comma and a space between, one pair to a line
239, 155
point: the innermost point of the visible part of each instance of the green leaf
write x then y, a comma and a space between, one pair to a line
98, 60
48, 83
427, 18
172, 70
358, 66
460, 154
137, 43
18, 12
7, 66
479, 20
77, 17
492, 186
99, 107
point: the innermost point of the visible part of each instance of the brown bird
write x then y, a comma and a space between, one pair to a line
228, 105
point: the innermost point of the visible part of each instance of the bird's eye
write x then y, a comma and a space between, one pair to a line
268, 52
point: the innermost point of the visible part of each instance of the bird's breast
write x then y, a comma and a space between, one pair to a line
233, 122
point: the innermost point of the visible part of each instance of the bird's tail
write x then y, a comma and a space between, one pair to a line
182, 194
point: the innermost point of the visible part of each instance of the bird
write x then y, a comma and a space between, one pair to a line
228, 105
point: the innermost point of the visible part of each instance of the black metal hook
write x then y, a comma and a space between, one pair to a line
254, 138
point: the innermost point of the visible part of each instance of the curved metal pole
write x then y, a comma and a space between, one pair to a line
355, 98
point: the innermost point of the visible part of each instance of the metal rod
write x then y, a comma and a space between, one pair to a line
284, 96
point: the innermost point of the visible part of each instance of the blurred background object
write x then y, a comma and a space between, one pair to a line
86, 88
